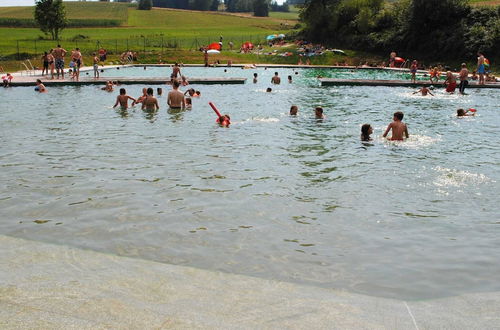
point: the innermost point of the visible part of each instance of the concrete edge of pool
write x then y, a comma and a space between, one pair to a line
59, 287
392, 83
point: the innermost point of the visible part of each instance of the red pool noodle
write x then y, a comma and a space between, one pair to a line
472, 110
215, 109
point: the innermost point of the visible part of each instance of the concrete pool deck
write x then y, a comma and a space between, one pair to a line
394, 83
58, 287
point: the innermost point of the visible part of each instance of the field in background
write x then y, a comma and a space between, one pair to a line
143, 31
78, 14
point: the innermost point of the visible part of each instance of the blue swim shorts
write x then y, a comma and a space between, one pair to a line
59, 63
481, 69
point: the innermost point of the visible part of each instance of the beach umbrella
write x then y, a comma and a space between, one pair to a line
214, 45
213, 51
338, 51
271, 37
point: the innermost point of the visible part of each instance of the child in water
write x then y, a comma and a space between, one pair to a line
398, 128
464, 113
294, 110
189, 103
318, 112
366, 130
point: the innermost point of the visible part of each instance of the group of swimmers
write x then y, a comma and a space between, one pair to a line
175, 98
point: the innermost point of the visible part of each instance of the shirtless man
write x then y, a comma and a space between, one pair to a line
464, 78
276, 79
175, 97
150, 103
122, 99
398, 128
76, 57
59, 54
424, 90
481, 70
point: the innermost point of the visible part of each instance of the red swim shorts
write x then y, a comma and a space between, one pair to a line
451, 87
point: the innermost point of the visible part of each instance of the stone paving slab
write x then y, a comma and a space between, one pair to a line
46, 286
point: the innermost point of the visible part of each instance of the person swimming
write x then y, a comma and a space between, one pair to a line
366, 130
318, 113
465, 113
294, 110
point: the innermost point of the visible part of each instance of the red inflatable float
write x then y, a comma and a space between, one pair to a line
399, 60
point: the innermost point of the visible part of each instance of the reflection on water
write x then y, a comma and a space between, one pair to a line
288, 198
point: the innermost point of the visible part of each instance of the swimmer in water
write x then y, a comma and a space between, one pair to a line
269, 90
290, 79
294, 110
108, 87
150, 103
318, 113
255, 78
40, 87
276, 79
398, 128
141, 98
123, 98
224, 120
424, 91
465, 113
190, 91
189, 103
366, 130
175, 98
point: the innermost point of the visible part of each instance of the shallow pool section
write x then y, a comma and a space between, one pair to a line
273, 196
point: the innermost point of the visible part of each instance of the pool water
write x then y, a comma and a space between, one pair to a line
273, 196
238, 72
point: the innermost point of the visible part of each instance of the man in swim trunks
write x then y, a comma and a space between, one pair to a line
96, 65
59, 54
464, 78
76, 57
176, 70
150, 103
175, 98
450, 82
45, 59
399, 129
481, 70
143, 97
413, 71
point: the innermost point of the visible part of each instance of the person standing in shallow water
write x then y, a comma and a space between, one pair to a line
276, 79
464, 79
399, 129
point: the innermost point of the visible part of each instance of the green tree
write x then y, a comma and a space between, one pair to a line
215, 5
145, 4
51, 17
261, 8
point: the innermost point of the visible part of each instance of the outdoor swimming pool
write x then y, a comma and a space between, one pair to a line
293, 199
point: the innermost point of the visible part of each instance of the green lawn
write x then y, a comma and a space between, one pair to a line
144, 30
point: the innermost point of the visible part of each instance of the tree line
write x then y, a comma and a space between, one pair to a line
427, 28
